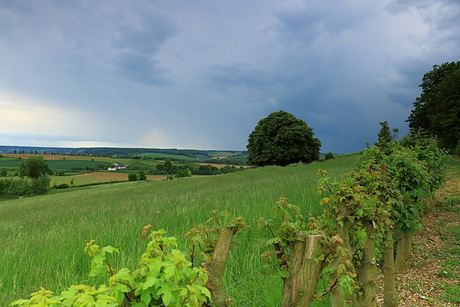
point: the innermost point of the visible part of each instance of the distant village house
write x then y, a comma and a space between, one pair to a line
116, 166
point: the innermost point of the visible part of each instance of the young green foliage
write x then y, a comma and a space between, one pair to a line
164, 278
427, 150
284, 229
202, 239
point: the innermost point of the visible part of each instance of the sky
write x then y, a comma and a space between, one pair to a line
201, 74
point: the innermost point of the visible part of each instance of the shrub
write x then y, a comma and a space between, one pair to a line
25, 186
132, 177
183, 173
61, 186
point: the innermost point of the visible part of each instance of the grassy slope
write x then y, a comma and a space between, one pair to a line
42, 238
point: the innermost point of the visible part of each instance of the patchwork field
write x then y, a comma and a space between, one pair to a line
73, 170
62, 157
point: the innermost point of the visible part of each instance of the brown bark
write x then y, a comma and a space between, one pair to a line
216, 267
403, 259
367, 273
304, 271
337, 296
390, 294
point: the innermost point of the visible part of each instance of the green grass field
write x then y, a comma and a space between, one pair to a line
171, 156
75, 180
42, 238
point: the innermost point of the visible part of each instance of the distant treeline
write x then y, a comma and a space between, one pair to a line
194, 169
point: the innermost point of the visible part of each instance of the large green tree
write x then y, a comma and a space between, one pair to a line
282, 139
34, 167
437, 110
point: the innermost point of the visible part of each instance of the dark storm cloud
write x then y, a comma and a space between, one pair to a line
137, 46
141, 67
239, 75
308, 23
203, 73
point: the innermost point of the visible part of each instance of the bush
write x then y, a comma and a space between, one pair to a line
183, 173
4, 185
142, 175
329, 156
40, 185
132, 177
61, 186
25, 186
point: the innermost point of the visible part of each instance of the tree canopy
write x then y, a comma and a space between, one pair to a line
282, 139
437, 110
34, 167
385, 136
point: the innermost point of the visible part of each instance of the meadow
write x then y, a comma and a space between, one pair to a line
96, 178
42, 238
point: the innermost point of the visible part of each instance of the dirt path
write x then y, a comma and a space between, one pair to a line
430, 282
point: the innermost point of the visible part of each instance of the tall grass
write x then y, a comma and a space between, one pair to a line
42, 238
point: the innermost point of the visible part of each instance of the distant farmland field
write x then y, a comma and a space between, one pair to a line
67, 157
164, 155
221, 165
57, 164
46, 157
114, 176
97, 177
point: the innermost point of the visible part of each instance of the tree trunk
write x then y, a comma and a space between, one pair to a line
215, 269
304, 271
389, 289
344, 231
367, 273
337, 296
430, 204
403, 253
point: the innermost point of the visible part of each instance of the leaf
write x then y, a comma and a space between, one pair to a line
167, 295
169, 272
149, 282
324, 201
109, 249
19, 302
146, 297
